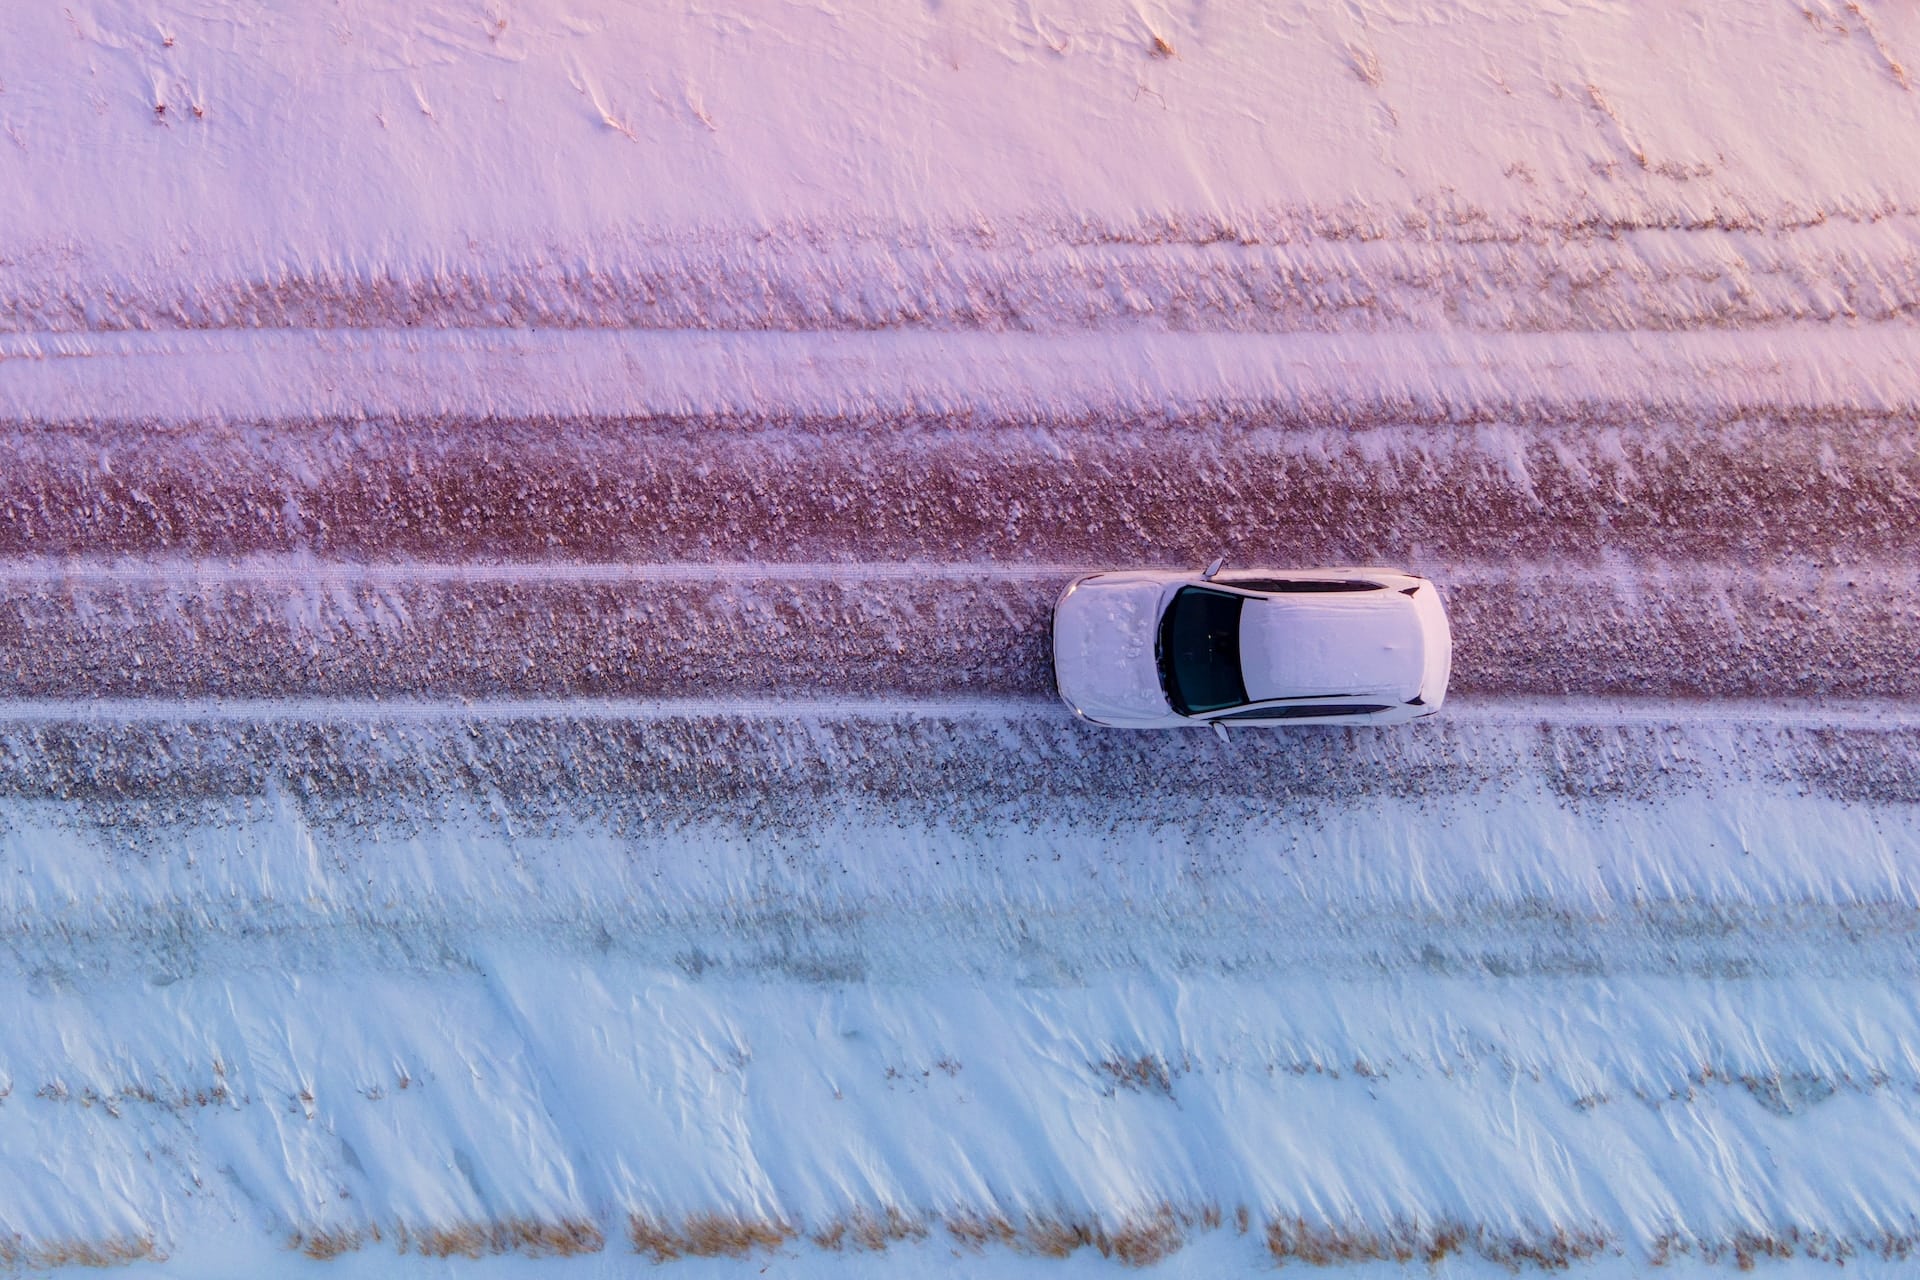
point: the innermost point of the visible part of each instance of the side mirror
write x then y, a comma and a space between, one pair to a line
1220, 730
1219, 562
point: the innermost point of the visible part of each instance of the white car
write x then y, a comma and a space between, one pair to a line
1159, 650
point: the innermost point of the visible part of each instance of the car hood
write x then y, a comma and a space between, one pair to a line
1103, 638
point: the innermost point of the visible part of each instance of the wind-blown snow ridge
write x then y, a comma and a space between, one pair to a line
1338, 269
250, 376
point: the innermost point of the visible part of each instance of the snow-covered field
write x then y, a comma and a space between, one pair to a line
526, 736
1638, 974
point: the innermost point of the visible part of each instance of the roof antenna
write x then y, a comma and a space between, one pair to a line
1218, 561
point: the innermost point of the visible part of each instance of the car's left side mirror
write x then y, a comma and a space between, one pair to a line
1219, 730
1219, 563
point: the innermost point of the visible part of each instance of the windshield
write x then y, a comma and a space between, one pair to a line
1199, 651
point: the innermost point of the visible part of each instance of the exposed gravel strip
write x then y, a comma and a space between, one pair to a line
644, 639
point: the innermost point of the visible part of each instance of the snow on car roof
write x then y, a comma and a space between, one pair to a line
1302, 646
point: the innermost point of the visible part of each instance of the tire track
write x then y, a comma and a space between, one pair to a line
1274, 486
295, 628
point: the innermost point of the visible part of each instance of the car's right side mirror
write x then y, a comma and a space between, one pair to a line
1219, 730
1219, 562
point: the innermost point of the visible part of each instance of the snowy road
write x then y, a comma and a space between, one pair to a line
1588, 542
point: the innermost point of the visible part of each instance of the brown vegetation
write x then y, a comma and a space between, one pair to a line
977, 1230
870, 1230
533, 1237
326, 1243
1140, 1239
1747, 1247
18, 1252
1411, 1240
705, 1235
1136, 1240
1141, 1073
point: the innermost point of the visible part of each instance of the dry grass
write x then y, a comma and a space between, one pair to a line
326, 1243
1141, 1239
870, 1230
114, 1101
1880, 46
1365, 63
1409, 1240
1294, 1240
705, 1235
1554, 1250
1137, 1240
978, 1230
1056, 1237
1745, 1249
17, 1253
533, 1237
1142, 1073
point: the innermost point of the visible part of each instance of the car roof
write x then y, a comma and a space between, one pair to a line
1331, 644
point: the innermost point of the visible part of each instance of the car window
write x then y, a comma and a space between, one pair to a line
1289, 586
1303, 713
1199, 651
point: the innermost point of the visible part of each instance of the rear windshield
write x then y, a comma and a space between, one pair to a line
1199, 651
